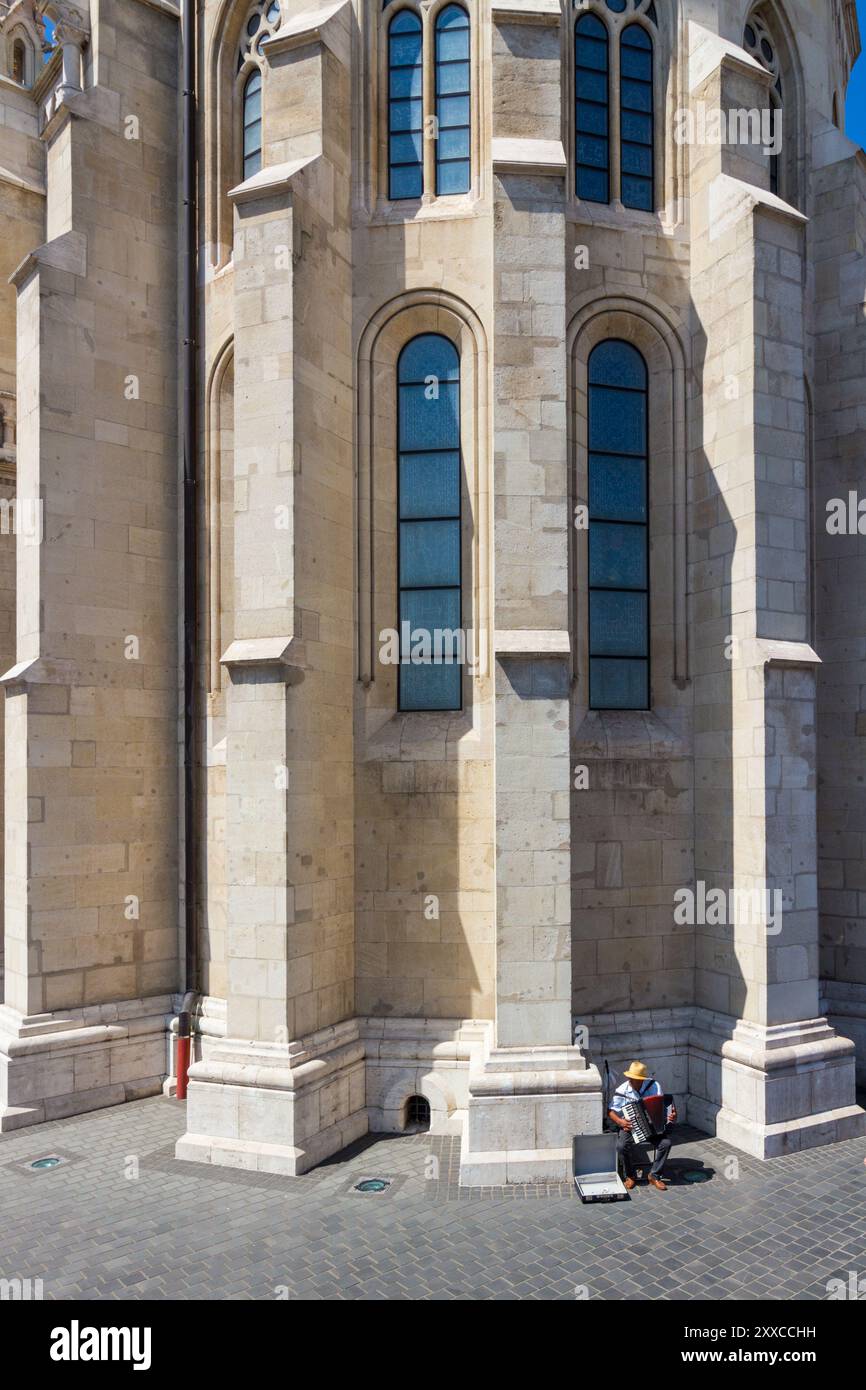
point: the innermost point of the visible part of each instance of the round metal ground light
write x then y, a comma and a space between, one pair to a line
695, 1175
40, 1163
372, 1185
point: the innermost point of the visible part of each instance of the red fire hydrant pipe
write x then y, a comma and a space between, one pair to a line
183, 1040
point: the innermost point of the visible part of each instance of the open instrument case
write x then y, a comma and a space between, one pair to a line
596, 1175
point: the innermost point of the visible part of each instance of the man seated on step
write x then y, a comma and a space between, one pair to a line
637, 1086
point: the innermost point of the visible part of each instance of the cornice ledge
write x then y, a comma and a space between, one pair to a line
777, 652
528, 156
531, 642
730, 197
18, 181
276, 178
260, 651
67, 252
526, 12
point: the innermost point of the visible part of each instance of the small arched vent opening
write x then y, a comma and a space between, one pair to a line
417, 1115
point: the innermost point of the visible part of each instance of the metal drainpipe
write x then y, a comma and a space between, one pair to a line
188, 334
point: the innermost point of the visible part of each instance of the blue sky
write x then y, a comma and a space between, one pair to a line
855, 116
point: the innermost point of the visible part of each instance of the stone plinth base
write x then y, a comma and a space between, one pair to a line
766, 1090
276, 1108
427, 1057
787, 1087
54, 1065
525, 1107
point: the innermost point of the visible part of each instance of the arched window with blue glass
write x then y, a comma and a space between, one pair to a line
636, 119
405, 107
618, 467
252, 105
429, 510
592, 109
452, 100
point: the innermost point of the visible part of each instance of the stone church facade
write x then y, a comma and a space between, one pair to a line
535, 325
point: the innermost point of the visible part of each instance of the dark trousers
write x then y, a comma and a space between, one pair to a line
627, 1150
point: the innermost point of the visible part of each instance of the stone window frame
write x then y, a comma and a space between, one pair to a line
21, 34
657, 339
223, 111
380, 345
663, 163
771, 17
376, 172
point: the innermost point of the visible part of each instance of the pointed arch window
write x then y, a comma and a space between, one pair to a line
452, 100
592, 111
429, 521
253, 124
441, 108
405, 107
636, 118
614, 58
618, 528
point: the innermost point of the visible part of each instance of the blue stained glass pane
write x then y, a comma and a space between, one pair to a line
427, 422
430, 687
405, 182
252, 164
453, 144
429, 355
253, 138
591, 53
616, 363
636, 37
429, 485
454, 17
617, 556
405, 149
618, 623
405, 115
404, 50
592, 86
452, 45
637, 127
634, 62
617, 421
592, 150
616, 5
452, 77
617, 487
433, 616
637, 193
591, 26
252, 103
636, 96
592, 119
405, 23
618, 684
406, 82
593, 185
429, 553
452, 111
637, 159
453, 178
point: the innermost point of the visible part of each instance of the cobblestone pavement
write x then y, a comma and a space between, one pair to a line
120, 1218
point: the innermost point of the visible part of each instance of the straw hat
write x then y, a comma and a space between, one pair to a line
637, 1072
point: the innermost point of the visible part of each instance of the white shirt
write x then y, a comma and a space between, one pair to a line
627, 1092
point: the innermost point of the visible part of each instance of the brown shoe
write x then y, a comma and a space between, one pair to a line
657, 1182
629, 1184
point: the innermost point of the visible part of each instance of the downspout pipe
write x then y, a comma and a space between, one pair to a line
188, 354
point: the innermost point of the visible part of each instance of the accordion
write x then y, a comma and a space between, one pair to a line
648, 1118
